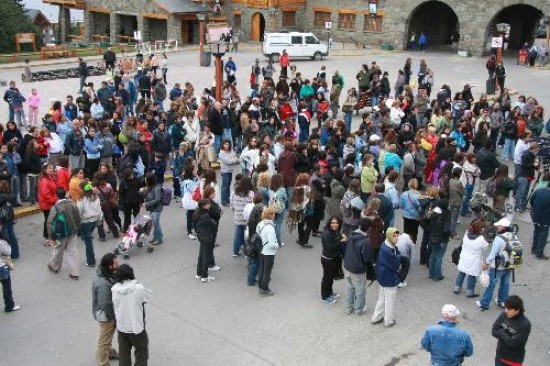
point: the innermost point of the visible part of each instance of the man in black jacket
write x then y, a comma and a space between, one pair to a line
357, 259
526, 175
512, 329
145, 86
82, 73
110, 58
215, 121
487, 162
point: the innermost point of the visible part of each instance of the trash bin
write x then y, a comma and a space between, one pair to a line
490, 86
206, 58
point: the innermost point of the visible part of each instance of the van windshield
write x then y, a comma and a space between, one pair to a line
311, 40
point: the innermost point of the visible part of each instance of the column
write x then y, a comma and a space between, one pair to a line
114, 27
173, 31
143, 27
64, 24
89, 21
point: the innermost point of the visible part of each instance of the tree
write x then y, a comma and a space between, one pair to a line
14, 20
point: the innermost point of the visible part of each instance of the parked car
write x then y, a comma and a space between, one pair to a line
296, 45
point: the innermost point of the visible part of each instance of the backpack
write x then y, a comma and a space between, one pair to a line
491, 188
477, 201
60, 225
511, 256
6, 213
255, 245
165, 196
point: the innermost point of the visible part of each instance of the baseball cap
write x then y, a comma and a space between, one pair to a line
503, 222
450, 310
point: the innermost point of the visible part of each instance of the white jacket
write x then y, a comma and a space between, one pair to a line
89, 210
128, 300
471, 257
266, 228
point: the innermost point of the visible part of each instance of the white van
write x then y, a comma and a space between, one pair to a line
296, 44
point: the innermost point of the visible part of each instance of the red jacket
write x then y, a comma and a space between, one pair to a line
43, 146
286, 112
46, 193
284, 61
63, 178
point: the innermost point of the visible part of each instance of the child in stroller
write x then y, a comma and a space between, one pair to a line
138, 230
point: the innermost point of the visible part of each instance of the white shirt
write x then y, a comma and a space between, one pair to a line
521, 147
128, 300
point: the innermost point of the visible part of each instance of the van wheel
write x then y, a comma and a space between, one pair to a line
275, 57
317, 56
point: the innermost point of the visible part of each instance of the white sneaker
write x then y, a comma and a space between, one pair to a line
197, 277
215, 268
191, 236
208, 279
402, 284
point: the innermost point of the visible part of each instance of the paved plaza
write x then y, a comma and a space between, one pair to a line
226, 322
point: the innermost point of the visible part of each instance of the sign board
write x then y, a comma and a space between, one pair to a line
496, 42
215, 30
328, 25
25, 38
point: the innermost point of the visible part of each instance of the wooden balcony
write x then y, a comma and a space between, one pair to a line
268, 4
74, 4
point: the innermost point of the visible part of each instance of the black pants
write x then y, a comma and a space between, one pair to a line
410, 226
190, 224
108, 218
45, 230
129, 211
304, 230
140, 342
424, 248
6, 292
264, 272
331, 267
206, 255
90, 167
404, 270
145, 93
284, 71
318, 214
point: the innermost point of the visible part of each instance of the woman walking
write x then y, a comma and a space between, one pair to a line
91, 214
471, 258
47, 197
164, 67
242, 195
270, 245
152, 194
331, 258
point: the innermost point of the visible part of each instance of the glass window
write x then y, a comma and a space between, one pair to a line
296, 40
373, 23
311, 40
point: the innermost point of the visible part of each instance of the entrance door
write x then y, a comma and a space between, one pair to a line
185, 31
258, 26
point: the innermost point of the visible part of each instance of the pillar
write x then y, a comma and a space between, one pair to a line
173, 31
114, 28
89, 21
143, 27
64, 24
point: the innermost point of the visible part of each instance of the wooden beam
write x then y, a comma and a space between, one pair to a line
347, 11
237, 12
155, 16
324, 10
100, 10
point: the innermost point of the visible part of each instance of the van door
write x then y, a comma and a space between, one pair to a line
311, 46
297, 46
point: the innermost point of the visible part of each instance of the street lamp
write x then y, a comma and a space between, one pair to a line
502, 28
201, 17
218, 50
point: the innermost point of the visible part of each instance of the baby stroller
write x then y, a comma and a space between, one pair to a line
136, 235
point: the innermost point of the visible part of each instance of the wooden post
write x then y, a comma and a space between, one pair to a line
201, 41
219, 78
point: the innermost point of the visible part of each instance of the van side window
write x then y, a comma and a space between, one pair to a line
296, 40
311, 40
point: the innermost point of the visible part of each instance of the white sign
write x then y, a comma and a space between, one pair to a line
328, 25
496, 42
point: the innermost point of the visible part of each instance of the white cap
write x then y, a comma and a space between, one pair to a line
374, 138
503, 222
449, 310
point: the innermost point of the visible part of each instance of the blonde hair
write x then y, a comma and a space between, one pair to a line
268, 213
264, 180
433, 192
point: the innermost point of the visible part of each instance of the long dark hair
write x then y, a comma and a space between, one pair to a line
327, 226
500, 174
243, 187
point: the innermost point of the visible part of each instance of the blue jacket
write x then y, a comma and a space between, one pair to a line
91, 147
387, 266
410, 204
392, 159
175, 93
447, 344
540, 203
459, 138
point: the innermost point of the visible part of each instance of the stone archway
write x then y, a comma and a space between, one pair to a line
257, 27
523, 20
436, 19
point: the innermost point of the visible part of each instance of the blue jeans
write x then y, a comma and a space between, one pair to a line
303, 136
86, 230
279, 218
82, 83
509, 147
217, 143
523, 190
436, 257
227, 135
8, 234
157, 230
238, 238
15, 187
470, 284
495, 275
374, 101
226, 186
347, 121
129, 109
252, 271
469, 191
540, 237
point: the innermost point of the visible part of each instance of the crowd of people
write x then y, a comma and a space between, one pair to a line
298, 161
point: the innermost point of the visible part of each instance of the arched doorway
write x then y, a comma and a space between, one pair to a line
258, 27
523, 20
435, 19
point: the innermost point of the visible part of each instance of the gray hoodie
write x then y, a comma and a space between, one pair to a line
129, 298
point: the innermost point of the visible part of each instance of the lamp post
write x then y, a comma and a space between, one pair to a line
201, 17
328, 26
218, 50
501, 30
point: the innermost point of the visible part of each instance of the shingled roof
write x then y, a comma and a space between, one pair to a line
180, 6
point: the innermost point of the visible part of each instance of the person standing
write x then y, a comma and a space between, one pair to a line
439, 222
129, 299
423, 42
266, 230
82, 73
511, 329
8, 98
540, 214
387, 275
47, 186
284, 61
109, 57
526, 174
491, 66
152, 202
164, 67
331, 258
448, 345
471, 258
102, 308
5, 279
500, 75
206, 228
91, 214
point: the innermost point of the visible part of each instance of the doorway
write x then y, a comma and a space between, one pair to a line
523, 20
258, 28
436, 20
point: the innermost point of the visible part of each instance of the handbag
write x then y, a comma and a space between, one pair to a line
188, 202
197, 194
484, 279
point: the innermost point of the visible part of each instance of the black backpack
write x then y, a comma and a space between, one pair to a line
255, 245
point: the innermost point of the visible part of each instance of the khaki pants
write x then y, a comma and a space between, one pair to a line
69, 246
385, 306
104, 339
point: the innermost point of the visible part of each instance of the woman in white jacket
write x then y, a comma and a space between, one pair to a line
90, 212
471, 258
266, 229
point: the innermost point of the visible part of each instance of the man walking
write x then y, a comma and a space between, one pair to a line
129, 298
102, 308
82, 73
447, 344
512, 329
540, 214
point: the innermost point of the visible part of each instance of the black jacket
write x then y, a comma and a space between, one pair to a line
206, 228
440, 223
82, 69
358, 253
512, 335
527, 168
487, 163
302, 163
215, 121
386, 210
332, 246
128, 193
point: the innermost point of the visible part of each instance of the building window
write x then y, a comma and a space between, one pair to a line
373, 23
289, 18
346, 21
321, 17
237, 21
